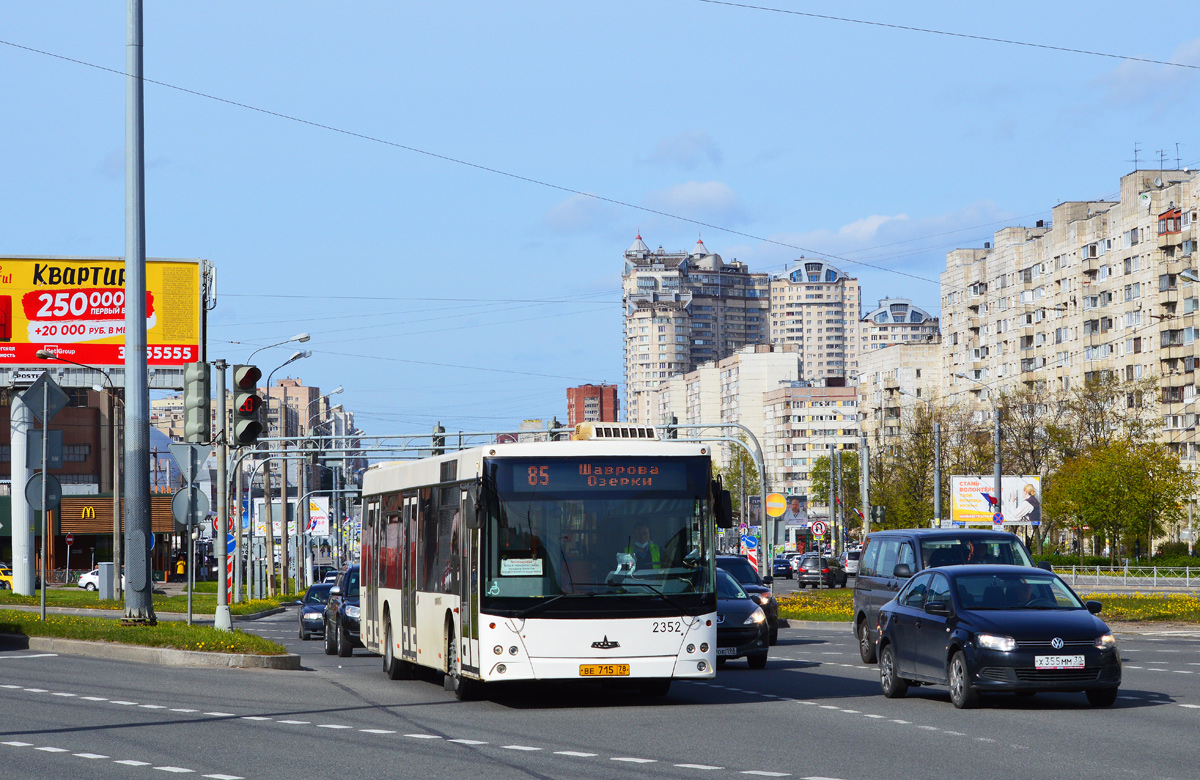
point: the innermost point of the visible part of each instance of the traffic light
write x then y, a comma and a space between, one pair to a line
246, 402
439, 439
197, 404
672, 431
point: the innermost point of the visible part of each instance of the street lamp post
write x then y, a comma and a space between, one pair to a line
45, 354
996, 418
937, 457
283, 531
304, 465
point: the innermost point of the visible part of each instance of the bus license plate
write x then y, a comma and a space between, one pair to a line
726, 651
1058, 662
604, 670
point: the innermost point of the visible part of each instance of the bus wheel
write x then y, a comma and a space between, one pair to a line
464, 689
393, 667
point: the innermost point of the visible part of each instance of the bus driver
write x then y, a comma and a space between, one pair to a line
646, 554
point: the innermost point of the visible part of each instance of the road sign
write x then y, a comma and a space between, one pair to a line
45, 396
33, 449
179, 507
33, 492
190, 457
819, 528
230, 543
70, 539
998, 518
776, 505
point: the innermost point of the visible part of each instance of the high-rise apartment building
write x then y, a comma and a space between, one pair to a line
892, 383
800, 423
896, 321
592, 403
1105, 289
683, 309
816, 307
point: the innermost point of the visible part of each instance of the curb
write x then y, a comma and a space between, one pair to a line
164, 656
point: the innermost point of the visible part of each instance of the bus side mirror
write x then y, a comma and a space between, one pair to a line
474, 520
724, 510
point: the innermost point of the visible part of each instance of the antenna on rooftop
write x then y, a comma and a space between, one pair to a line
1178, 162
1136, 148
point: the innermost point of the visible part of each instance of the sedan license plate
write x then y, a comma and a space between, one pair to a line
726, 651
1058, 662
604, 670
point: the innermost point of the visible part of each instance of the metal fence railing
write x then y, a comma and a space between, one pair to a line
1131, 575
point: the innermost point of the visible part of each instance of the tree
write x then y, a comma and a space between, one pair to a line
1123, 490
819, 485
731, 477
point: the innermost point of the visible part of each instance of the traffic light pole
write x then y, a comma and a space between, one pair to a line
222, 620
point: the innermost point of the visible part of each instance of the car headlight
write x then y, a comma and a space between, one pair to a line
763, 598
993, 642
352, 611
313, 616
757, 616
1106, 641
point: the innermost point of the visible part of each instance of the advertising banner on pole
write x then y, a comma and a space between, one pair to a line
972, 500
318, 516
75, 307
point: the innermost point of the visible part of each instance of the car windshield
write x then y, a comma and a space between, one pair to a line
633, 528
728, 587
1006, 549
316, 595
741, 570
1035, 590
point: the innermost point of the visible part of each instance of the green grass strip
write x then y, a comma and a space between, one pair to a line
202, 603
172, 634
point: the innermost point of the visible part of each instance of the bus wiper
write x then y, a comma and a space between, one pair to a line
542, 605
682, 610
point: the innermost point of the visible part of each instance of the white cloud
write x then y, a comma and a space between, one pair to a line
686, 150
1138, 83
705, 201
579, 214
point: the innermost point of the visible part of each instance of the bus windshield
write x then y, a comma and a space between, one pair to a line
597, 535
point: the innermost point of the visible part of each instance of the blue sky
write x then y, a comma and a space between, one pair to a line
438, 291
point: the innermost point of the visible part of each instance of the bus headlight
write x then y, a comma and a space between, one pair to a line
498, 650
757, 616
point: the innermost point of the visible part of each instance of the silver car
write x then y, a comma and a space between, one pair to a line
849, 561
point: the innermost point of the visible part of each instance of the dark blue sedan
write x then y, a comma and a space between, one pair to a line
782, 567
990, 628
312, 611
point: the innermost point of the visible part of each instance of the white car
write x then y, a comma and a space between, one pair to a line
91, 580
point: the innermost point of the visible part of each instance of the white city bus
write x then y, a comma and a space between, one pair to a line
521, 561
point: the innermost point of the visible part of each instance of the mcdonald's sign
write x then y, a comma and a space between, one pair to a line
87, 513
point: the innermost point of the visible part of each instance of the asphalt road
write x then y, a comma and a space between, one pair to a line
815, 711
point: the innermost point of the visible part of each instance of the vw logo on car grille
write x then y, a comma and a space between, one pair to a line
1056, 643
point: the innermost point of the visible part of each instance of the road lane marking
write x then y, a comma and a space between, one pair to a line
335, 726
255, 717
53, 750
153, 706
14, 743
93, 698
852, 712
574, 753
519, 747
634, 760
1191, 706
34, 655
955, 733
225, 777
823, 706
43, 690
128, 762
873, 716
89, 755
365, 731
296, 722
181, 709
132, 704
423, 736
928, 728
68, 694
901, 722
698, 766
175, 769
765, 774
214, 714
12, 686
467, 741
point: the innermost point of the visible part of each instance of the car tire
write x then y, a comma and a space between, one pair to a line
962, 693
395, 668
345, 646
330, 643
89, 586
721, 661
757, 660
304, 635
892, 685
866, 647
464, 689
655, 687
1102, 697
773, 636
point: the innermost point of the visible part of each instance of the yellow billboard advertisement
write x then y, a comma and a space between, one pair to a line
75, 307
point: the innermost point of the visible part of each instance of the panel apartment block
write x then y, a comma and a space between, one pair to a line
816, 307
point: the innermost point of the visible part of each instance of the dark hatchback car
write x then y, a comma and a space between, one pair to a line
341, 615
889, 558
741, 624
820, 572
312, 611
758, 588
781, 567
995, 628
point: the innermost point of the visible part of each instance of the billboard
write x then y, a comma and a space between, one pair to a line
318, 517
75, 307
972, 500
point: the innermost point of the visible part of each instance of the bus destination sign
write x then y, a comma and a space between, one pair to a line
601, 474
